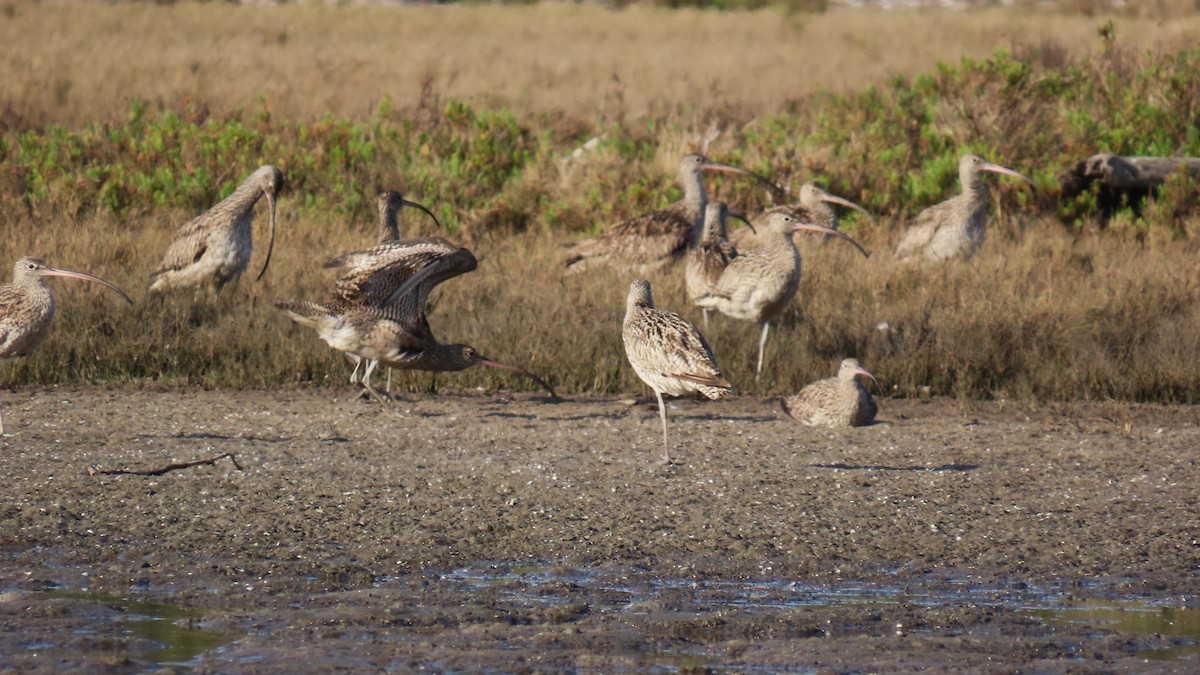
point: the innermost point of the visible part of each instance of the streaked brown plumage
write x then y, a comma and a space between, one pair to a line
711, 254
366, 268
27, 307
214, 248
757, 285
668, 353
956, 227
389, 327
839, 401
812, 207
657, 239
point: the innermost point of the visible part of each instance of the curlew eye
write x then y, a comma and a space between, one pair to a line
32, 266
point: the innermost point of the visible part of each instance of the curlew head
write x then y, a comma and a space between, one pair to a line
639, 295
466, 356
694, 164
786, 224
851, 369
32, 270
813, 193
971, 165
269, 179
390, 202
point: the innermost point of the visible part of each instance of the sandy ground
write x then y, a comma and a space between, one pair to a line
488, 530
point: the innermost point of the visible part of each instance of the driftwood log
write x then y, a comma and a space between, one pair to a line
1136, 175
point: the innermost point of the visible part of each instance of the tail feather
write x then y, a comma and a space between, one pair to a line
303, 312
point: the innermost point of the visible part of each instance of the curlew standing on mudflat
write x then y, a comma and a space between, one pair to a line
214, 248
381, 316
656, 239
839, 401
757, 285
27, 307
956, 227
812, 207
668, 353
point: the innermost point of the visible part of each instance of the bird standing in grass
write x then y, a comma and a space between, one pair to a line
668, 353
659, 238
709, 256
955, 228
757, 285
214, 248
840, 401
812, 207
27, 307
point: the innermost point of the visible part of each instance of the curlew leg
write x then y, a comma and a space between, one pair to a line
662, 413
357, 363
762, 345
704, 313
367, 382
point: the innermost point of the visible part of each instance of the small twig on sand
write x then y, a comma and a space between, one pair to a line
94, 470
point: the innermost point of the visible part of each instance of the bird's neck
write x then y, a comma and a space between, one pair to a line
243, 198
695, 197
389, 229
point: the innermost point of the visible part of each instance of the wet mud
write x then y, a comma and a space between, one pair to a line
485, 530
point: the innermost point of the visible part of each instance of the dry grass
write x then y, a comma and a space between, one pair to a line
80, 62
1043, 312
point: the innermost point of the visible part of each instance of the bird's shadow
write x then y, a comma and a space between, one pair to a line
884, 467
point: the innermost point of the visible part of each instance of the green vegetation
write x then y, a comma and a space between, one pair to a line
1055, 307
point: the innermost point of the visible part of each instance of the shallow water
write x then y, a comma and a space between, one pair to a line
156, 632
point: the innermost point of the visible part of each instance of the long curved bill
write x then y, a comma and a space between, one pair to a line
717, 166
271, 245
535, 378
864, 371
744, 219
811, 227
996, 168
405, 202
54, 272
834, 199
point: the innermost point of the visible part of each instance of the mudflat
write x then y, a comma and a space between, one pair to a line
473, 530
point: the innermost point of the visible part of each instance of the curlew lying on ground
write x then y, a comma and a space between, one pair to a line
839, 401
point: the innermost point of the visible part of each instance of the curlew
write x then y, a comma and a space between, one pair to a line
812, 207
214, 248
956, 227
757, 285
840, 401
389, 203
391, 328
656, 239
27, 307
668, 353
708, 257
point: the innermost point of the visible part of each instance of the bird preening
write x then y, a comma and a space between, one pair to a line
213, 249
27, 307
